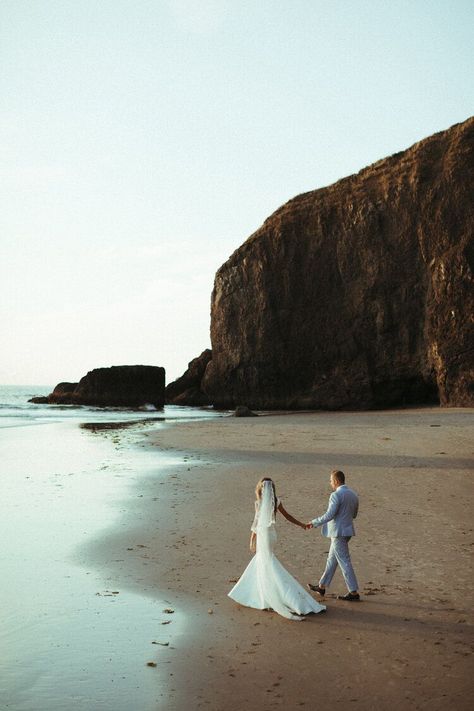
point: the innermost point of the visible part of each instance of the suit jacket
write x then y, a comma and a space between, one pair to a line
342, 510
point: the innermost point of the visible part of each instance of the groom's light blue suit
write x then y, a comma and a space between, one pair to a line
338, 525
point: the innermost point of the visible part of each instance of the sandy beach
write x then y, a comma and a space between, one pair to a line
407, 645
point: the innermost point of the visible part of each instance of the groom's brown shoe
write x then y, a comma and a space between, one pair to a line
350, 597
317, 589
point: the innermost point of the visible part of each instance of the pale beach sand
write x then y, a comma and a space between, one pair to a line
407, 645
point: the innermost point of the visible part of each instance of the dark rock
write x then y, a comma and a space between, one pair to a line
63, 388
186, 390
39, 400
358, 295
243, 411
118, 386
193, 397
62, 393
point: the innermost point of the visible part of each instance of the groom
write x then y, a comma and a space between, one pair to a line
337, 525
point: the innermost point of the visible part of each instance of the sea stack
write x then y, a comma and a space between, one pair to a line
358, 295
117, 386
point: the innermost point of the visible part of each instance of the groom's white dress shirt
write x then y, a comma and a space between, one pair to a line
342, 509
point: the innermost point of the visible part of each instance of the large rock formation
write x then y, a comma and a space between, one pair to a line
186, 390
118, 386
358, 295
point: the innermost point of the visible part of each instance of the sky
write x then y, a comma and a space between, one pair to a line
142, 141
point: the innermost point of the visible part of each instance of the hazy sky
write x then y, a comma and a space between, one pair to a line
142, 141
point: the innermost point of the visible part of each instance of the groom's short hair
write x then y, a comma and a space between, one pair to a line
338, 476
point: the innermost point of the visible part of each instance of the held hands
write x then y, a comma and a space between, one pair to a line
305, 526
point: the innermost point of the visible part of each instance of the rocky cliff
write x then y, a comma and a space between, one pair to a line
186, 390
118, 386
358, 295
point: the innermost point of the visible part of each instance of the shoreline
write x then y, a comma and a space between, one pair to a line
72, 638
407, 645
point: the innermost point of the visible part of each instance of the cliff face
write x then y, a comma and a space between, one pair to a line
358, 295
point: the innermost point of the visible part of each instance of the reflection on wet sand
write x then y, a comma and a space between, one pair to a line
97, 426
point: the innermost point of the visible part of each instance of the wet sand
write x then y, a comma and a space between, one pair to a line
407, 645
70, 637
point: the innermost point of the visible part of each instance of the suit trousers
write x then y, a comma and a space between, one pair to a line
339, 555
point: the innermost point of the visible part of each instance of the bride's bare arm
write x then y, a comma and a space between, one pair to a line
289, 517
253, 541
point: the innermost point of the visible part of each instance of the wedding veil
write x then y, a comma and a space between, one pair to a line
266, 514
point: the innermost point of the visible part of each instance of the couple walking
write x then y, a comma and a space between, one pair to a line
266, 584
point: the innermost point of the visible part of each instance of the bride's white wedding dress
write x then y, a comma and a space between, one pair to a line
265, 583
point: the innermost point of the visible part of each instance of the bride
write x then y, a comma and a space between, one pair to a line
265, 583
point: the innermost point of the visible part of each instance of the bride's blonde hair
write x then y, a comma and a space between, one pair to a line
259, 487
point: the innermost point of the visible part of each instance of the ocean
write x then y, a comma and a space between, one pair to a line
16, 411
72, 637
